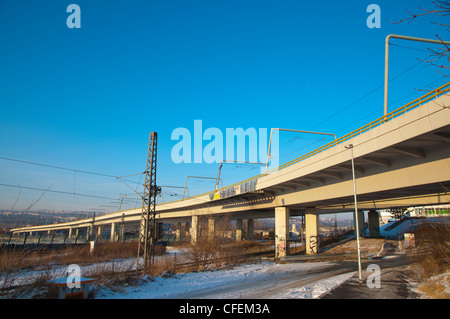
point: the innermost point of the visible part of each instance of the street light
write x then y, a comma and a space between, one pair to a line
350, 146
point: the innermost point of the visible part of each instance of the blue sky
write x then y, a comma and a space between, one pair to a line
87, 98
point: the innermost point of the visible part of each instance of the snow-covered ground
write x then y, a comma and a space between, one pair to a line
245, 281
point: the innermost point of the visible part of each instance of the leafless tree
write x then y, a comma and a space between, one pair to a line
437, 56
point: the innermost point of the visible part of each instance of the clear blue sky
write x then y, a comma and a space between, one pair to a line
88, 98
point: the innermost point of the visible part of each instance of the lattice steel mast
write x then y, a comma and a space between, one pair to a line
147, 231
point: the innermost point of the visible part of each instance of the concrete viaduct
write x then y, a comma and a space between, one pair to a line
401, 160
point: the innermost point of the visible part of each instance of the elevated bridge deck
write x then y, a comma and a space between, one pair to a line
401, 160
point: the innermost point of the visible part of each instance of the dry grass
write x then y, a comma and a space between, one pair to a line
432, 259
436, 287
104, 266
112, 265
369, 245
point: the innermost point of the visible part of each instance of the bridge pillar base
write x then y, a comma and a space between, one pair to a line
251, 229
211, 228
311, 232
194, 230
113, 232
281, 231
361, 224
239, 230
374, 223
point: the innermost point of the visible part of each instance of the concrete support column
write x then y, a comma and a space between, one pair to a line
211, 228
374, 223
281, 231
311, 232
122, 228
361, 223
121, 236
178, 232
70, 232
194, 230
187, 229
251, 229
113, 232
99, 231
239, 229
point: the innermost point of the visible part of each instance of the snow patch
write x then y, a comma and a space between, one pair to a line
229, 283
317, 289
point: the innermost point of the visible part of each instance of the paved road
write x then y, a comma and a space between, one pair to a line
280, 283
269, 288
392, 284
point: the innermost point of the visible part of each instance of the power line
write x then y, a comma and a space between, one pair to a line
393, 103
411, 48
56, 167
368, 94
57, 191
70, 169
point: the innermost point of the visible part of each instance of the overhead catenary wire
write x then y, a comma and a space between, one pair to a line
359, 100
393, 103
68, 169
57, 191
75, 171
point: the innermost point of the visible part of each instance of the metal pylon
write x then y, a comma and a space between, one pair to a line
147, 231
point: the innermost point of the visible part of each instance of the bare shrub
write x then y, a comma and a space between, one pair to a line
431, 253
431, 257
213, 246
16, 276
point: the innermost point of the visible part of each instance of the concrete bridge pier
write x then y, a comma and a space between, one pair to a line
311, 232
361, 223
89, 232
99, 231
374, 223
211, 227
187, 231
250, 229
281, 231
178, 232
194, 229
113, 232
239, 229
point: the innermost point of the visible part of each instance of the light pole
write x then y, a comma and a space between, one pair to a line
350, 146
